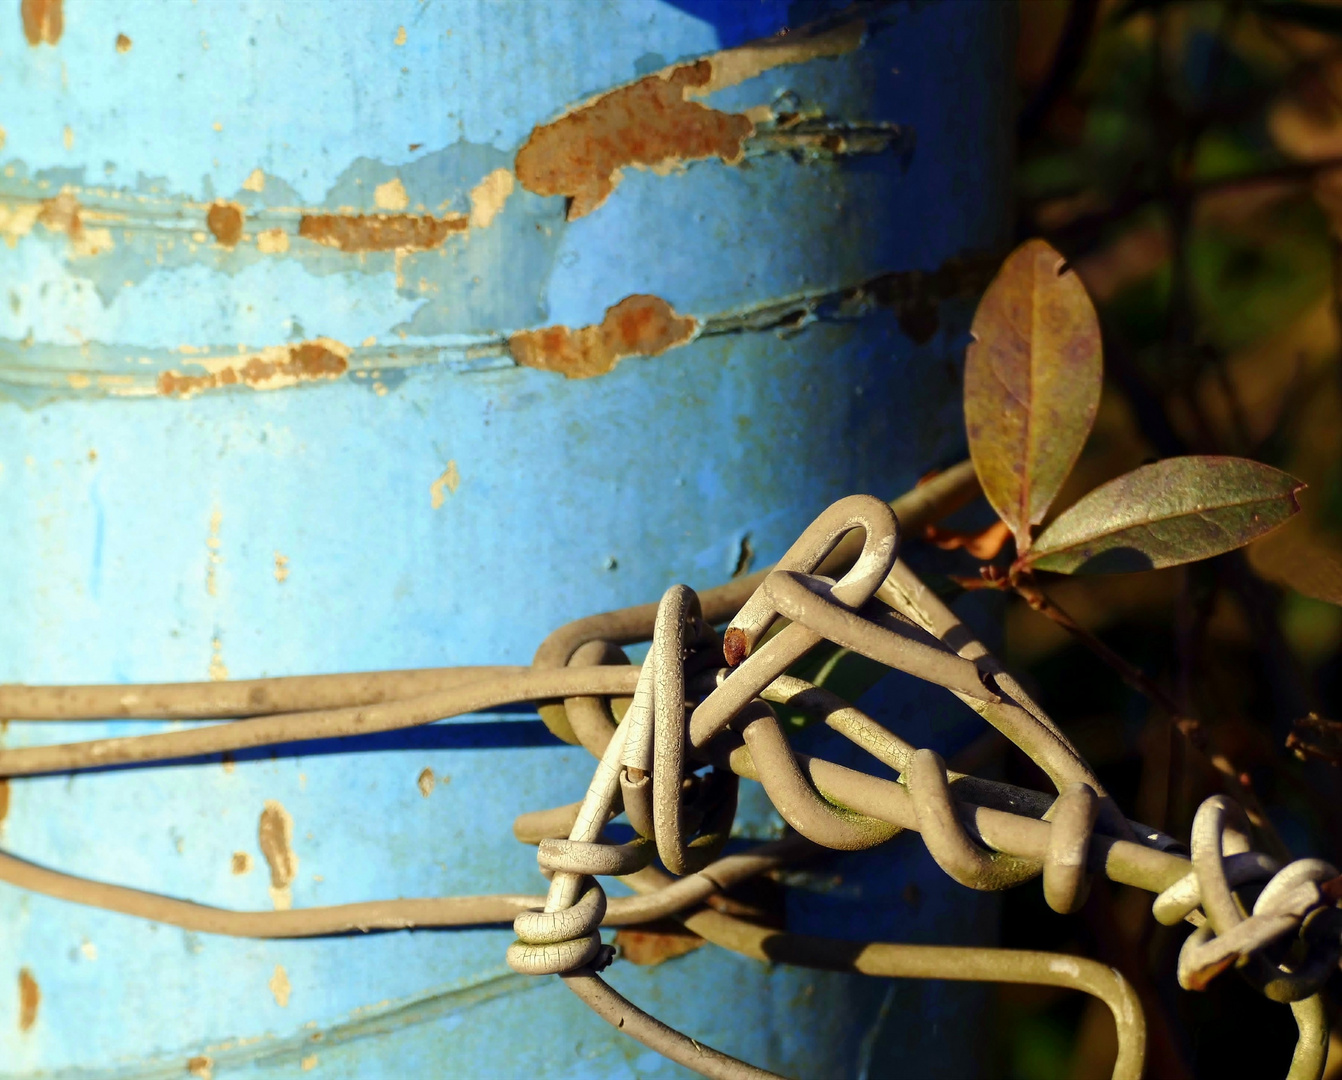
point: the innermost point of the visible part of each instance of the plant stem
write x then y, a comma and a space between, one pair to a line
1192, 730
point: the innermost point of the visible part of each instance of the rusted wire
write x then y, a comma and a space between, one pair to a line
671, 737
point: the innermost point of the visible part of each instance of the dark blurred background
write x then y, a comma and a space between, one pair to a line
1187, 159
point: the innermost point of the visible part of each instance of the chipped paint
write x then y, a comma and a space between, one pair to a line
381, 232
272, 242
213, 557
308, 1063
656, 123
88, 949
255, 182
732, 67
281, 568
425, 782
60, 214
43, 21
638, 325
914, 296
17, 220
218, 670
815, 138
224, 220
275, 833
30, 1000
280, 987
649, 123
4, 801
445, 485
391, 195
240, 863
488, 197
123, 43
268, 369
201, 1067
648, 948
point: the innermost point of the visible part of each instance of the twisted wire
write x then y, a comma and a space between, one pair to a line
673, 735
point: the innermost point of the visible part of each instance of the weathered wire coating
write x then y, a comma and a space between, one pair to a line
808, 600
1020, 720
937, 962
227, 700
794, 798
1073, 820
401, 914
679, 627
614, 1008
608, 860
947, 839
472, 696
985, 835
1287, 902
1311, 1048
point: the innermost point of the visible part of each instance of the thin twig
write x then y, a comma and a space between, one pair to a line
1195, 735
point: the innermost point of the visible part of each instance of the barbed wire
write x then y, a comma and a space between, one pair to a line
698, 715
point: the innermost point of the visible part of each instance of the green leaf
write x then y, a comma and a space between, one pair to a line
1172, 512
1032, 384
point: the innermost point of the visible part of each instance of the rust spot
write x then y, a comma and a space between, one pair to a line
4, 800
224, 220
1200, 980
648, 123
242, 864
42, 21
63, 214
734, 646
426, 782
201, 1066
650, 948
271, 368
381, 232
638, 325
276, 837
123, 43
30, 997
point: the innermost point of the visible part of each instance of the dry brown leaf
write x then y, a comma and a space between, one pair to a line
1032, 383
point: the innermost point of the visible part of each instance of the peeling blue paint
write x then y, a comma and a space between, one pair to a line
573, 496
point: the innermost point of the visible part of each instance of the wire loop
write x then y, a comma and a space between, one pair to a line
672, 740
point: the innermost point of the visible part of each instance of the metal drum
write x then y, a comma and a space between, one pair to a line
360, 335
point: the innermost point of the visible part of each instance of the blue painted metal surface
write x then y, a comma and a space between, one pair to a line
403, 494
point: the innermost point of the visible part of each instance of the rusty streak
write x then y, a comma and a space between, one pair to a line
648, 123
225, 222
43, 21
381, 232
638, 325
30, 998
271, 368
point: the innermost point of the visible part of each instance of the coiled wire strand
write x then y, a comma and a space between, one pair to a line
702, 703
